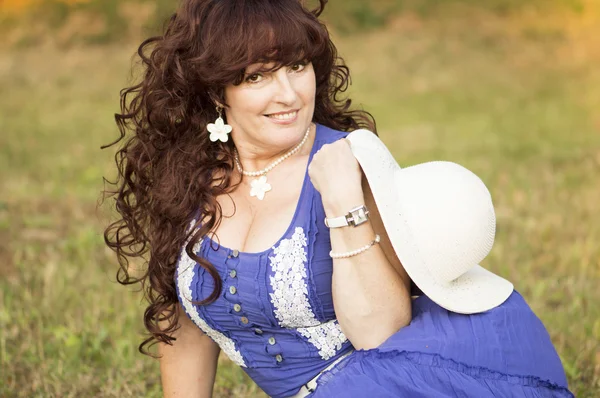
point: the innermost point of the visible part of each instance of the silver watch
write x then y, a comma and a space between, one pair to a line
355, 217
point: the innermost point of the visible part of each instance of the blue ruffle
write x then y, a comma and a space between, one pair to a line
348, 378
504, 352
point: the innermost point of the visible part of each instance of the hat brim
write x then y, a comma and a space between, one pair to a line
477, 290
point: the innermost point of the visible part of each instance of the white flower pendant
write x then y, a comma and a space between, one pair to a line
219, 130
260, 186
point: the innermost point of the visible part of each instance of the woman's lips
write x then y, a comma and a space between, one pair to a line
283, 117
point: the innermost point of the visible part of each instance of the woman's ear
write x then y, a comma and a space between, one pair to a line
217, 99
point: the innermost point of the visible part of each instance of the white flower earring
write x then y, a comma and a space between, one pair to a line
219, 130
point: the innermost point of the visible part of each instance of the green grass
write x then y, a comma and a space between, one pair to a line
105, 21
519, 109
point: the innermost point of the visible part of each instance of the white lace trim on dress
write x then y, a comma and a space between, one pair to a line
326, 337
290, 296
185, 276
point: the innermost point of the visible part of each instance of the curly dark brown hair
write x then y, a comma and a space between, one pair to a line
169, 173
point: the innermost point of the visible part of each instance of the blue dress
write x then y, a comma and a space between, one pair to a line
275, 319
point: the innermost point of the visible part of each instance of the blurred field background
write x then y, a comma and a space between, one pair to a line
508, 88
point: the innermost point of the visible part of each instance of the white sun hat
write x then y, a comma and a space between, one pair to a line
440, 219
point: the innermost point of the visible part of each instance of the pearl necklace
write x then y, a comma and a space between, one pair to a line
260, 186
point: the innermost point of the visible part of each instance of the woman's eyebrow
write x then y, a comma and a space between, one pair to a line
252, 69
263, 68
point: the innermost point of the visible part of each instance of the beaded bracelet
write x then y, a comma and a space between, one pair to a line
357, 251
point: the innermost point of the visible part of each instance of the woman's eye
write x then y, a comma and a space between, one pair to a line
298, 67
254, 78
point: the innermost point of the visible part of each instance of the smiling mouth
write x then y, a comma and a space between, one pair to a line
283, 115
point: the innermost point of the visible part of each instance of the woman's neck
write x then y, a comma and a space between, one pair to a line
254, 157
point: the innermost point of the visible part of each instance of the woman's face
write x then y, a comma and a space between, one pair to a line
272, 109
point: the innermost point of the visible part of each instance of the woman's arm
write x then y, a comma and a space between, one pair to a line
189, 366
371, 291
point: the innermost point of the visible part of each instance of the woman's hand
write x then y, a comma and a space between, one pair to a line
336, 174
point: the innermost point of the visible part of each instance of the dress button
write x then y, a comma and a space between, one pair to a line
237, 307
233, 273
232, 290
244, 320
278, 358
235, 253
272, 340
258, 331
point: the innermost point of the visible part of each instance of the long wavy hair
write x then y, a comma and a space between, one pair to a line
169, 172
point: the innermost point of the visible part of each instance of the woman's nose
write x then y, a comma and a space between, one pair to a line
286, 93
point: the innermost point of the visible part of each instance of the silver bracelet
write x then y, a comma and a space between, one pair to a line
357, 251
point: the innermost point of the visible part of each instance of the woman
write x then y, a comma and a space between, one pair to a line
237, 156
